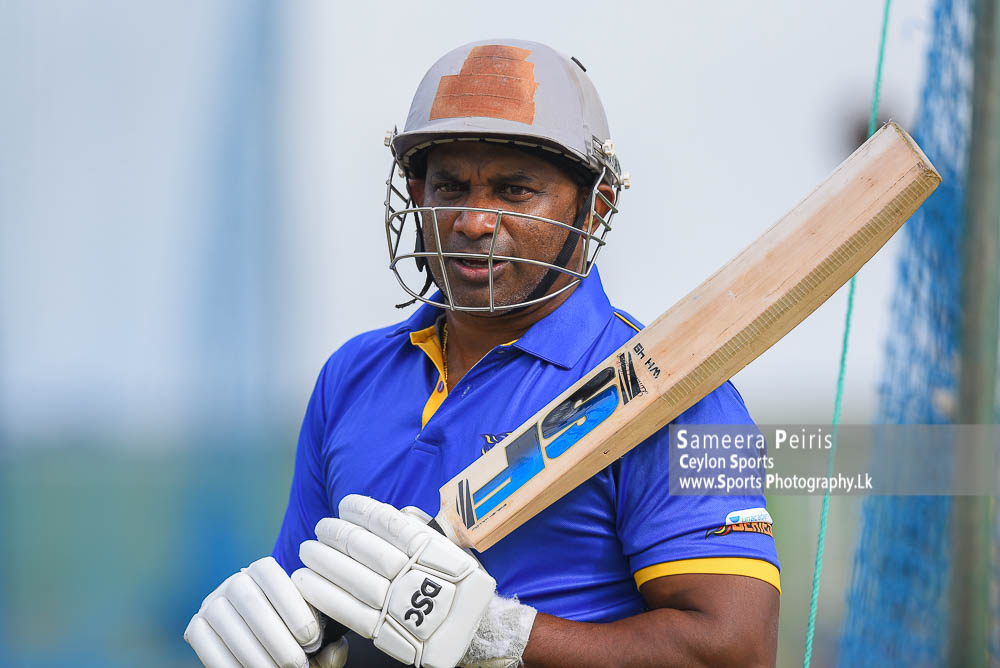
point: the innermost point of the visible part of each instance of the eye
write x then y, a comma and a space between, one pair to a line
516, 193
449, 189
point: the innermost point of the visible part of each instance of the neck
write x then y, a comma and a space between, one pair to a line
471, 336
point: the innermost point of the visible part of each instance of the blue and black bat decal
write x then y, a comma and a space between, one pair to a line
578, 415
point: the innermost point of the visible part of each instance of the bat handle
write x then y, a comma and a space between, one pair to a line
332, 632
437, 527
443, 526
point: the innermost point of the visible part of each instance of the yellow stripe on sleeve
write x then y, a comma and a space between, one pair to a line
751, 568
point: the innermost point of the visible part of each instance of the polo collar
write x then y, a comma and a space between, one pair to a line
561, 338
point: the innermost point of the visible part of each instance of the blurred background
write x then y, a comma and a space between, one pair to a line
191, 222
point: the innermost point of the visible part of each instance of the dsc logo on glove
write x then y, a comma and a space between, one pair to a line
429, 589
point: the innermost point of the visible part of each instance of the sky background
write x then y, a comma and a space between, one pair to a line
191, 195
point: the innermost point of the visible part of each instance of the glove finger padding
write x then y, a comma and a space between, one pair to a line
408, 536
223, 618
250, 602
362, 546
352, 576
288, 602
415, 593
337, 603
255, 619
415, 514
207, 644
384, 521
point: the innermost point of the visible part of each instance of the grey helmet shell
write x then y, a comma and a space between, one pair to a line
518, 91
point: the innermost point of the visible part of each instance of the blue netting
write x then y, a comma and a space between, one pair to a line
994, 593
897, 602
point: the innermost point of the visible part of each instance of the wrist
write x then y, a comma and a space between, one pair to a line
502, 634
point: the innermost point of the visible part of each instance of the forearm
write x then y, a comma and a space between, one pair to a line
662, 637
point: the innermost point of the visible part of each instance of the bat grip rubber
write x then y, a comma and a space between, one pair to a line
437, 527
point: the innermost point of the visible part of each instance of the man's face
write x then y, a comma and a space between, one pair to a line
489, 176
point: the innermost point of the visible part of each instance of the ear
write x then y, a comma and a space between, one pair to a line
416, 190
600, 205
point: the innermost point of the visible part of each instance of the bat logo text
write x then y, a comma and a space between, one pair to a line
559, 430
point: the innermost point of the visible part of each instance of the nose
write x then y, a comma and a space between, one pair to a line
476, 224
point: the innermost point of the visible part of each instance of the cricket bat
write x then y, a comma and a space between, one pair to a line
699, 343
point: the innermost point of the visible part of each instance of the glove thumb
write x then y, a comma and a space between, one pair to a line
333, 655
413, 511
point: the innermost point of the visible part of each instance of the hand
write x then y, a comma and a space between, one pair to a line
389, 577
258, 619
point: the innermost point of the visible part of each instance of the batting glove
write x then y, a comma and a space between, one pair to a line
422, 599
258, 619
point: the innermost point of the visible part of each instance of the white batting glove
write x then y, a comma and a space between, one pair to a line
420, 597
258, 619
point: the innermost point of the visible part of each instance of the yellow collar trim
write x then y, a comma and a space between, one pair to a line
427, 340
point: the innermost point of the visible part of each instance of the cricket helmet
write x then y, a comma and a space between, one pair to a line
515, 92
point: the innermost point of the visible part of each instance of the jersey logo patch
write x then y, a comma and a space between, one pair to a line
749, 515
492, 439
742, 527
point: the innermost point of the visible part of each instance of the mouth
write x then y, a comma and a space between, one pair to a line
474, 269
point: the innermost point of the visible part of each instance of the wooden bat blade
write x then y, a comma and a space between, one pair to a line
699, 343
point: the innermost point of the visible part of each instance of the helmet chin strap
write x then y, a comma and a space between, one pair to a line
565, 253
422, 264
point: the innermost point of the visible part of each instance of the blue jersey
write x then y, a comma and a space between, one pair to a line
382, 423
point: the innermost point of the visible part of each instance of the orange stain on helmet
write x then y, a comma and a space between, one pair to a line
495, 81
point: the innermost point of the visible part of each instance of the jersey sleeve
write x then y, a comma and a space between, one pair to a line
307, 501
664, 534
